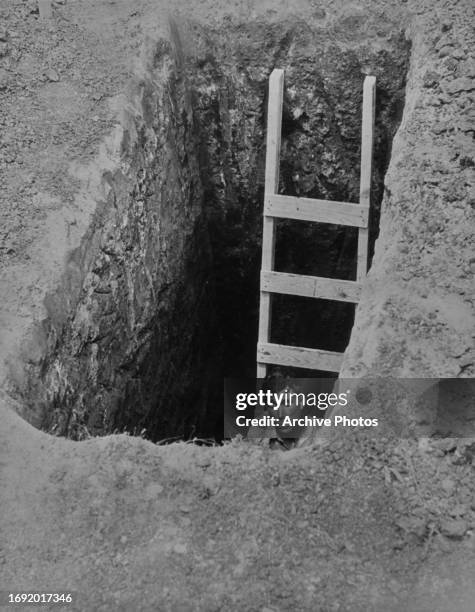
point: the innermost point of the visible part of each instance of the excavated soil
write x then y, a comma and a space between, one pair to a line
365, 524
357, 523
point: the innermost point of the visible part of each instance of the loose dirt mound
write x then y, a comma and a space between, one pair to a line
363, 524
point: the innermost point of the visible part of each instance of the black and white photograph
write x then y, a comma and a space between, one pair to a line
237, 324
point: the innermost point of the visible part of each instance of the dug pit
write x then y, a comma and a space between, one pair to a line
160, 300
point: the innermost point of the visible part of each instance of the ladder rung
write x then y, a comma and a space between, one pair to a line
299, 357
310, 286
321, 211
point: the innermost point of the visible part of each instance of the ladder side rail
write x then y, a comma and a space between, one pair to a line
274, 129
369, 94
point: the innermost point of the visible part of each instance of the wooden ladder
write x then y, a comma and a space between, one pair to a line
305, 209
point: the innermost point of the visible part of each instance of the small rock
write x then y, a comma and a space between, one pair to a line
466, 126
3, 35
180, 548
448, 485
450, 64
458, 349
431, 79
466, 360
203, 461
459, 85
458, 54
458, 510
440, 127
454, 528
52, 75
424, 445
443, 99
123, 539
153, 491
445, 444
211, 485
443, 42
443, 544
445, 51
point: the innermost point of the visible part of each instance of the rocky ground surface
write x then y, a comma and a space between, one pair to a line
355, 524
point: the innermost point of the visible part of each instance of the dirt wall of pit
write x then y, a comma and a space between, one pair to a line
118, 337
416, 313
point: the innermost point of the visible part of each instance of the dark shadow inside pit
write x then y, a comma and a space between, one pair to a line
316, 249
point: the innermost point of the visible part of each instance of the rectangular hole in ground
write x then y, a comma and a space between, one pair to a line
311, 323
316, 249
